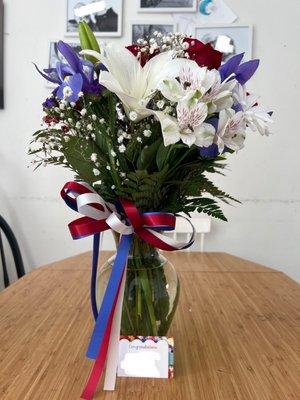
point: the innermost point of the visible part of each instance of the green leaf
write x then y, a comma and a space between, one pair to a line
207, 206
77, 152
88, 40
146, 190
148, 154
161, 157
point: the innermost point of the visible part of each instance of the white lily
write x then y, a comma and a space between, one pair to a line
231, 130
132, 83
256, 117
189, 126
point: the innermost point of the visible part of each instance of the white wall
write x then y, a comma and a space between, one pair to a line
265, 176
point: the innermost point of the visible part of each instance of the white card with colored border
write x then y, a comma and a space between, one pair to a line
146, 357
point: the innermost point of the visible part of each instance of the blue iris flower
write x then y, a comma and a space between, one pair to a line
243, 72
73, 77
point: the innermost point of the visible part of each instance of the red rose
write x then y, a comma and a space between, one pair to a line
204, 54
144, 56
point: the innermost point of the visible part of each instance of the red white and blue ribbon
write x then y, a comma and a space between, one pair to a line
99, 216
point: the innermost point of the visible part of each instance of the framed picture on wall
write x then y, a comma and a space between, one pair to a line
103, 16
144, 29
167, 6
229, 39
1, 55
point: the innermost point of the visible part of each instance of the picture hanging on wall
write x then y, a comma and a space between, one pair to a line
167, 6
1, 54
230, 39
145, 30
103, 16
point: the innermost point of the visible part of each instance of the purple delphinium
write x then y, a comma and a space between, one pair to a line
211, 151
73, 77
243, 72
50, 102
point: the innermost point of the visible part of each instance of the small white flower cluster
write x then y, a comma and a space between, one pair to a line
122, 136
47, 148
164, 42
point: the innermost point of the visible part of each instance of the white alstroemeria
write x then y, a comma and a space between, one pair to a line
231, 130
256, 117
219, 96
206, 134
199, 83
133, 84
189, 125
193, 83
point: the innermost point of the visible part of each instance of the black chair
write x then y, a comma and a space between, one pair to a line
12, 241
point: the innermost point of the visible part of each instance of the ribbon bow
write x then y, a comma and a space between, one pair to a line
125, 219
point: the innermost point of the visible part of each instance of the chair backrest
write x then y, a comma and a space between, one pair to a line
202, 225
5, 231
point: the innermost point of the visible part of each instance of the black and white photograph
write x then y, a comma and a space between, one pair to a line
141, 31
167, 5
103, 16
1, 55
229, 40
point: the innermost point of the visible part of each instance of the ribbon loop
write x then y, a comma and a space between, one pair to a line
133, 214
117, 225
92, 205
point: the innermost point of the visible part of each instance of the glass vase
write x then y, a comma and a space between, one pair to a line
151, 291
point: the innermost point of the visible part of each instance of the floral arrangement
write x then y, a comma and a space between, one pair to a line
142, 127
149, 121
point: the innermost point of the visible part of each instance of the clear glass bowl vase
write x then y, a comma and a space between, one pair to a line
151, 291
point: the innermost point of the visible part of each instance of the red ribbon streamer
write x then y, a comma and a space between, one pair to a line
98, 367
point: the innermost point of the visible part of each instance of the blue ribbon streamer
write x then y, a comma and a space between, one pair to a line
110, 292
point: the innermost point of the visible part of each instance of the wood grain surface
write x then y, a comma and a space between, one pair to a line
236, 334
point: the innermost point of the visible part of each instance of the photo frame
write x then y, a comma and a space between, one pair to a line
233, 38
146, 28
105, 17
166, 6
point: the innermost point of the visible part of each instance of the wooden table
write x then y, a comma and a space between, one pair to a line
236, 334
